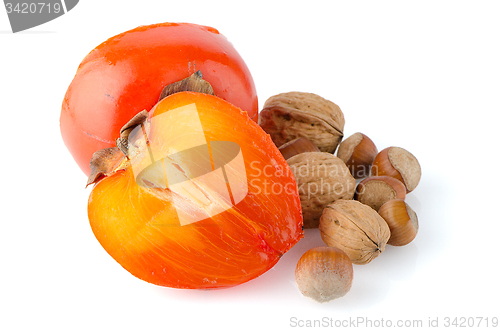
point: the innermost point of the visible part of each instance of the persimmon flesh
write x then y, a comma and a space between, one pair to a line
140, 225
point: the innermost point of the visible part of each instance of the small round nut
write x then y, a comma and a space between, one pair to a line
376, 190
355, 228
397, 162
324, 274
297, 146
402, 221
291, 115
321, 179
358, 152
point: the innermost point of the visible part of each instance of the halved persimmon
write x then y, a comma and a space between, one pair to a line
203, 198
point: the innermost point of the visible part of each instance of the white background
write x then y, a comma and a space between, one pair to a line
421, 75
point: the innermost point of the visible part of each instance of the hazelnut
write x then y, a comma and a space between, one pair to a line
291, 115
402, 221
397, 162
324, 274
355, 228
358, 152
376, 190
321, 179
297, 146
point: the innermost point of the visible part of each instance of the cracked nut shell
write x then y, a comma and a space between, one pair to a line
355, 228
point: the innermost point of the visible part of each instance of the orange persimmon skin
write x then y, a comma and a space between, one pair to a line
126, 74
138, 226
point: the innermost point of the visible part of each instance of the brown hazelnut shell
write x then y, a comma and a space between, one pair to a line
324, 274
297, 146
376, 190
358, 152
398, 163
402, 222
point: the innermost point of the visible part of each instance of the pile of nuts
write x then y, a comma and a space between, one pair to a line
356, 221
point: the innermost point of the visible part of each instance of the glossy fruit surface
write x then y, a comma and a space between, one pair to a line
140, 227
126, 74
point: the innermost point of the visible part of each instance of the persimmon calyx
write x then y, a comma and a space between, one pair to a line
193, 83
123, 142
106, 162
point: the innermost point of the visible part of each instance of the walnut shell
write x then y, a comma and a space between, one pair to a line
321, 178
355, 228
291, 115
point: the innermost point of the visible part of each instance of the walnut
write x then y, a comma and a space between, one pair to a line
291, 115
321, 178
355, 228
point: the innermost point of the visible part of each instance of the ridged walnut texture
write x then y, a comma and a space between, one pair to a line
355, 228
321, 178
291, 115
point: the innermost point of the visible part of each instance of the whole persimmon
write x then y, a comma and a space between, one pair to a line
197, 197
126, 74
